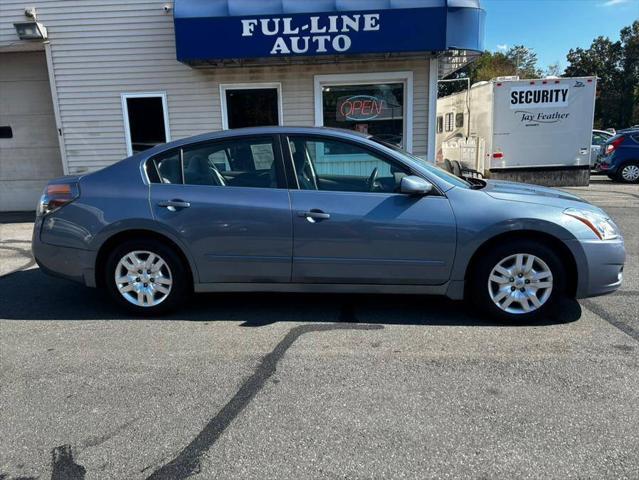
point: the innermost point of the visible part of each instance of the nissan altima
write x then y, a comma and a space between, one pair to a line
276, 209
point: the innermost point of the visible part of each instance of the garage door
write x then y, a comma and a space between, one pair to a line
29, 149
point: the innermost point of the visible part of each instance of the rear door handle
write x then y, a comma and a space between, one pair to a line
314, 215
174, 204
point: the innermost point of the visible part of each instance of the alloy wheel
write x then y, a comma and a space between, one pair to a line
143, 278
520, 283
630, 173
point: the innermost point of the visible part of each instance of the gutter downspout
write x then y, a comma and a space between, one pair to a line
56, 106
433, 71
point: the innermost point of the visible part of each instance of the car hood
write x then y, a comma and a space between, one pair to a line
523, 192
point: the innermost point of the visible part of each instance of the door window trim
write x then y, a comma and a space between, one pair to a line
374, 78
250, 86
280, 163
125, 112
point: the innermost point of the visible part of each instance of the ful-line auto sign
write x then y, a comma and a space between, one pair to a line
315, 35
311, 34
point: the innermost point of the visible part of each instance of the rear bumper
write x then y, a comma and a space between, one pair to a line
70, 263
600, 266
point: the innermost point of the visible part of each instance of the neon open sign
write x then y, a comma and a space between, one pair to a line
362, 107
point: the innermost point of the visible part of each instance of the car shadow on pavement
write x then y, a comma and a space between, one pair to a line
32, 295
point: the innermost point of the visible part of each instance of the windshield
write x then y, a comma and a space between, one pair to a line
438, 172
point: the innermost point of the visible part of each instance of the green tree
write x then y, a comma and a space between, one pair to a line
616, 64
553, 70
525, 61
518, 60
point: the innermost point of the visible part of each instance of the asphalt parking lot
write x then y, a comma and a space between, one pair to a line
327, 386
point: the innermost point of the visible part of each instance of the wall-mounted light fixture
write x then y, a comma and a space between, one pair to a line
32, 29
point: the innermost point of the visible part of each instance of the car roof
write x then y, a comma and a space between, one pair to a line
270, 130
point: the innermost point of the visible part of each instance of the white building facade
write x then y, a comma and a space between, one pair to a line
109, 78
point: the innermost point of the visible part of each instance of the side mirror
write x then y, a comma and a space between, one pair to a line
414, 185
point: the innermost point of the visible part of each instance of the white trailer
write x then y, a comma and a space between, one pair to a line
528, 130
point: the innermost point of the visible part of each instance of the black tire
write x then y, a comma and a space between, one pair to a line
181, 282
619, 177
478, 287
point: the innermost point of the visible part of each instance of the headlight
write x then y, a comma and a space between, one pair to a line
601, 225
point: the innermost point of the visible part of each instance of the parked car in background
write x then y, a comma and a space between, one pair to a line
599, 139
620, 157
319, 210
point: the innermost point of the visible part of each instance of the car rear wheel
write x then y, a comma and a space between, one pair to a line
629, 173
145, 277
520, 280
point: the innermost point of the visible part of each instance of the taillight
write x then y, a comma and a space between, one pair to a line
612, 146
57, 195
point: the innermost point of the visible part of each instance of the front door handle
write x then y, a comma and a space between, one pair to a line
314, 215
173, 205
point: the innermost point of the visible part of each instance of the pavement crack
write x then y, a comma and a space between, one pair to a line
187, 462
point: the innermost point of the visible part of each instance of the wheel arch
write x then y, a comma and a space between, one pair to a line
565, 254
135, 234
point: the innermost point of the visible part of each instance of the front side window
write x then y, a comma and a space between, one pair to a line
246, 162
323, 164
375, 109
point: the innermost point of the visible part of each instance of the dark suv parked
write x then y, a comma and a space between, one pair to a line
620, 157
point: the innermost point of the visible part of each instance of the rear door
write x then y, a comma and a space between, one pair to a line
352, 226
227, 200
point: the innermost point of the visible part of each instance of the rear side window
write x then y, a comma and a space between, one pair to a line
167, 168
244, 162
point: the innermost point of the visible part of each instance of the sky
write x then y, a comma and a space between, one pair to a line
552, 27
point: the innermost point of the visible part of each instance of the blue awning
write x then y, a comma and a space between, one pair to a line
211, 30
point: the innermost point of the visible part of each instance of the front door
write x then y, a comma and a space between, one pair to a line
230, 207
351, 226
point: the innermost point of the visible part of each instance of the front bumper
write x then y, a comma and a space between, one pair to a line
71, 263
600, 266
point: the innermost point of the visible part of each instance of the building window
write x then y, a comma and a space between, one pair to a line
450, 117
378, 104
251, 105
459, 120
6, 132
376, 109
146, 121
440, 124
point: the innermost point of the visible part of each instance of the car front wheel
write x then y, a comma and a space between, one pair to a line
145, 277
519, 280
